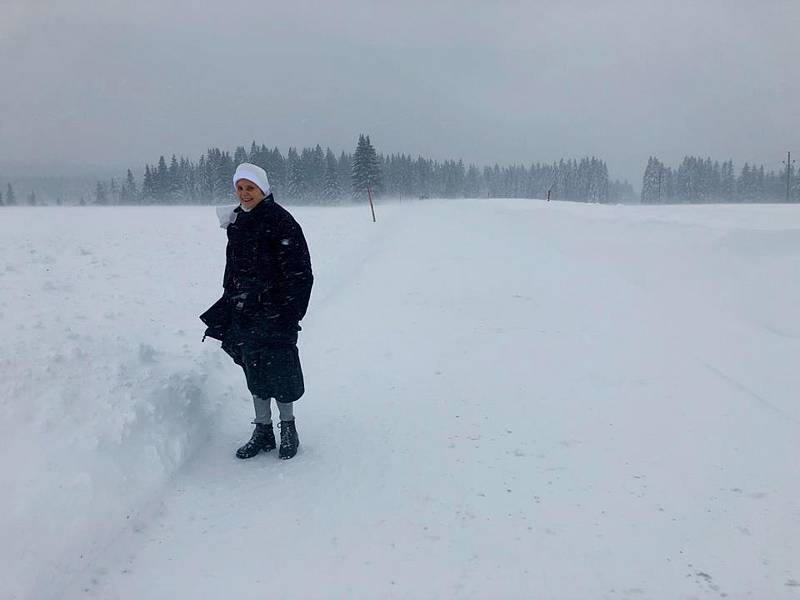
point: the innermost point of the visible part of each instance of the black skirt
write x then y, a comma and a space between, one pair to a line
274, 372
265, 348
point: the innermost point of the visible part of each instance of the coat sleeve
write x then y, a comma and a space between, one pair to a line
290, 298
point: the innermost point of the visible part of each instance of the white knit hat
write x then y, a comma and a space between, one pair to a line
252, 173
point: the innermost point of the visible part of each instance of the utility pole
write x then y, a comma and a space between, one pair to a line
788, 162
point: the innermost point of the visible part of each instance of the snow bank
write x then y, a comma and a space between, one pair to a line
105, 390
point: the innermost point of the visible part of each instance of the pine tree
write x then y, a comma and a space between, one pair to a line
275, 166
113, 189
472, 182
11, 197
294, 175
32, 198
653, 178
331, 191
302, 181
173, 184
240, 155
597, 180
148, 186
345, 170
375, 175
203, 180
365, 168
746, 184
760, 185
316, 174
217, 175
727, 183
100, 194
188, 181
161, 180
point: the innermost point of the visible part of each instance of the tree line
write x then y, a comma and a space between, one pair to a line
9, 198
698, 180
316, 176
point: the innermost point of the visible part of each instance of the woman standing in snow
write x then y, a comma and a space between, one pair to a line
267, 286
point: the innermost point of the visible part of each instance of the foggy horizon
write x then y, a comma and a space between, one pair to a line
116, 86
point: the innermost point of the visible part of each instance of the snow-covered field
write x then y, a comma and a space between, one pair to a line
505, 399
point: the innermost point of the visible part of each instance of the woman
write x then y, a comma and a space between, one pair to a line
267, 285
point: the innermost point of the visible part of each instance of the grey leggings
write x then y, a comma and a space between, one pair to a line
264, 414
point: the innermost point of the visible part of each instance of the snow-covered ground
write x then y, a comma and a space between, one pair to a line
505, 399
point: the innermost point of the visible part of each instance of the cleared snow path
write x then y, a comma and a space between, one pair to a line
509, 399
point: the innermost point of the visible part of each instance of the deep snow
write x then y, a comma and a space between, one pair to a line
505, 399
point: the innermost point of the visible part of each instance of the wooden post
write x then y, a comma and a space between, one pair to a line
371, 206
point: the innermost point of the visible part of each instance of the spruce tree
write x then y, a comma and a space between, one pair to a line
11, 197
173, 186
345, 170
302, 182
100, 194
472, 182
760, 185
375, 175
114, 194
331, 191
366, 172
316, 176
294, 175
188, 177
240, 155
745, 184
727, 182
148, 186
649, 181
275, 166
360, 167
161, 180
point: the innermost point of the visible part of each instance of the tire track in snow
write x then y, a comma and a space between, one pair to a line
763, 402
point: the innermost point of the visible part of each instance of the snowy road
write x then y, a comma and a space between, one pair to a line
505, 399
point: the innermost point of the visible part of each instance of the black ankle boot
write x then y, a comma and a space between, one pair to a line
289, 440
263, 438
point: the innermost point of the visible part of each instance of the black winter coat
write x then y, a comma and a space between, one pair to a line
267, 283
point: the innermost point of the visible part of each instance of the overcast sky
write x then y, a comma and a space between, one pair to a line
117, 83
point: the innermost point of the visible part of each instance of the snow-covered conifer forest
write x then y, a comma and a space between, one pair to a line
315, 176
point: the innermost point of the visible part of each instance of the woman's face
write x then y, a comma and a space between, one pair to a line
249, 193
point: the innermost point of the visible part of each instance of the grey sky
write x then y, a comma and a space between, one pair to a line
118, 82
